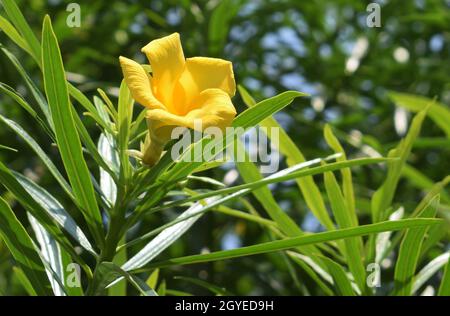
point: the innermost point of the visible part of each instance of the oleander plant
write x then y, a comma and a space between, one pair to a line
127, 166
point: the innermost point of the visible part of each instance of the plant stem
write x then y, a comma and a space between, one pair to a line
113, 237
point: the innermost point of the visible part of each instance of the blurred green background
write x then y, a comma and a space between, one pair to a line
324, 48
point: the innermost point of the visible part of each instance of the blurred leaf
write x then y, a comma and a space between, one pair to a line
444, 288
219, 24
18, 272
210, 287
12, 33
14, 14
438, 112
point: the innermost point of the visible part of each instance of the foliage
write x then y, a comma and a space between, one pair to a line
73, 192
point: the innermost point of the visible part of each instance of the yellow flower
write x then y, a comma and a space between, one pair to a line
179, 91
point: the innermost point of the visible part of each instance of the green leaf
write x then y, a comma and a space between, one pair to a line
56, 211
12, 33
311, 193
8, 148
23, 250
125, 115
166, 237
353, 246
152, 280
409, 252
24, 104
265, 109
50, 252
444, 288
92, 111
17, 18
293, 242
245, 120
35, 92
108, 272
346, 173
382, 198
239, 191
438, 112
297, 171
107, 149
250, 174
383, 242
429, 270
219, 24
24, 281
66, 133
41, 154
341, 281
8, 180
211, 287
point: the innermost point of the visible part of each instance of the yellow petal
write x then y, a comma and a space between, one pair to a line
139, 84
212, 106
203, 73
167, 60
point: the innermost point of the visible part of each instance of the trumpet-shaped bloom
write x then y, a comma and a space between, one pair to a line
179, 91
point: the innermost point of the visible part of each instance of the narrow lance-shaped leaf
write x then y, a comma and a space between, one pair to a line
108, 272
22, 26
23, 250
250, 173
293, 242
444, 288
409, 252
429, 270
41, 154
353, 246
12, 33
438, 112
35, 92
311, 193
125, 115
8, 180
346, 173
51, 252
65, 130
108, 151
341, 281
55, 210
245, 120
385, 194
166, 237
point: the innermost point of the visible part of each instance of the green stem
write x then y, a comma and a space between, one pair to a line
113, 237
